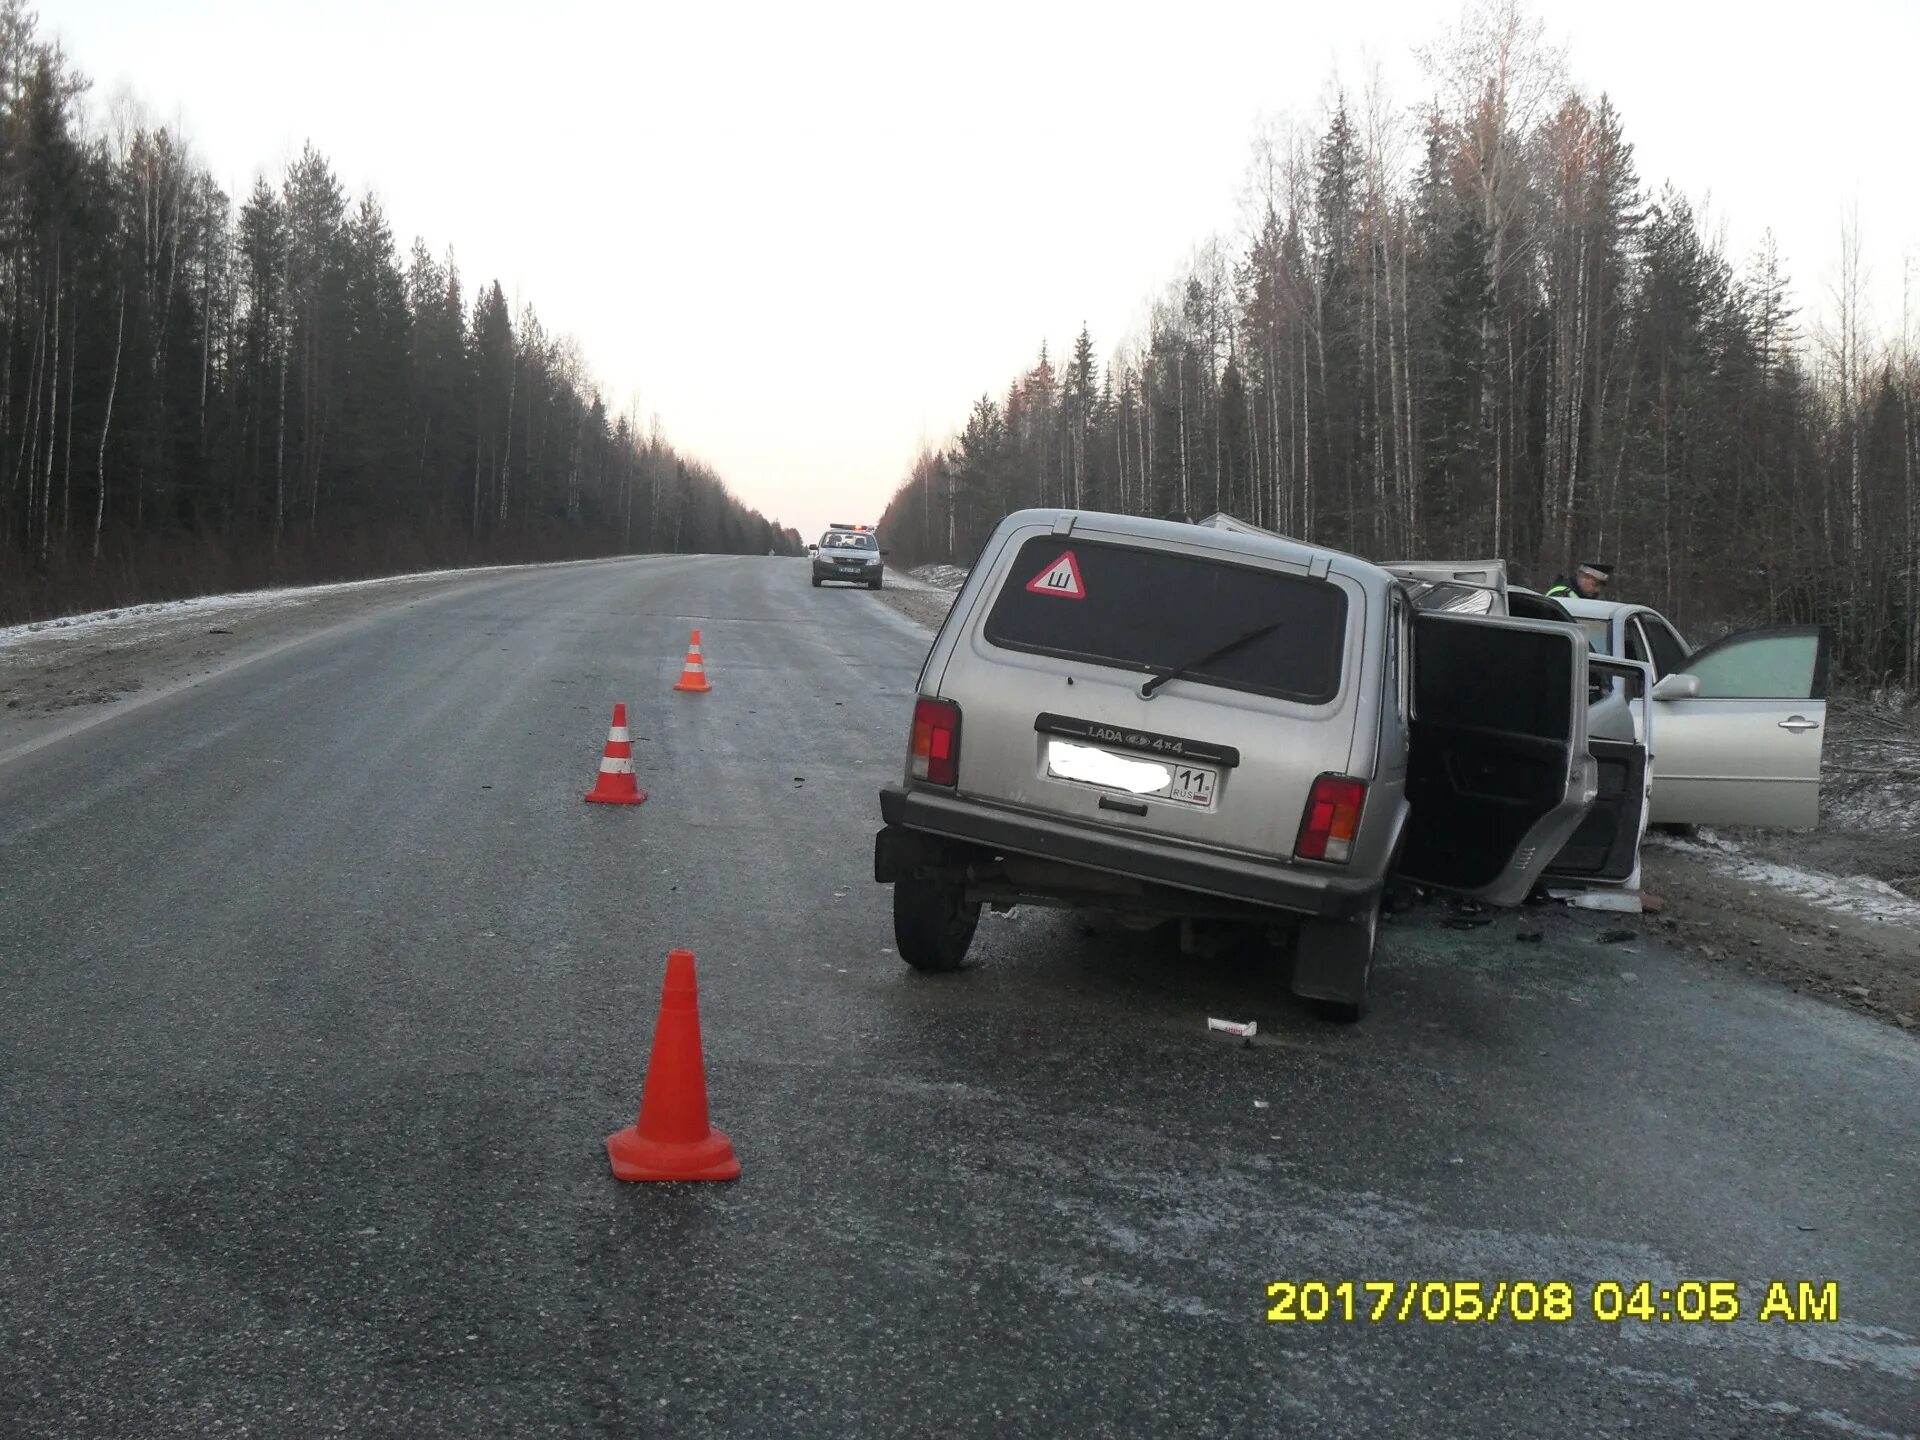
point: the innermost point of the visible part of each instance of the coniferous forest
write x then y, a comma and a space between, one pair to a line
202, 392
1471, 328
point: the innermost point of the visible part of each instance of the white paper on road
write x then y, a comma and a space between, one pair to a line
1246, 1029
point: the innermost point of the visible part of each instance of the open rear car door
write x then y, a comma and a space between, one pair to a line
1498, 772
1741, 726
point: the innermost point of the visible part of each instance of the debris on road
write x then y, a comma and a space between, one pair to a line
1626, 902
1245, 1029
1615, 937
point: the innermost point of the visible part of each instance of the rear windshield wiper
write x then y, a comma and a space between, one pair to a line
1218, 652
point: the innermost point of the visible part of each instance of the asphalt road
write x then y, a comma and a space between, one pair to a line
320, 990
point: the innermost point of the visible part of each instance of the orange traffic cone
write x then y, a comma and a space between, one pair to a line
693, 675
672, 1139
616, 785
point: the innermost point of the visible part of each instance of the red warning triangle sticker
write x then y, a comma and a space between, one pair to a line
1061, 578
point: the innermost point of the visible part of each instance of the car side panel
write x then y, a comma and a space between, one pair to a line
1742, 760
1731, 762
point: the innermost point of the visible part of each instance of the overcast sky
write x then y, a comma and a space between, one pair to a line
808, 236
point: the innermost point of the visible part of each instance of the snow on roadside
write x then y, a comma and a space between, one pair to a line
1860, 896
912, 580
128, 617
946, 577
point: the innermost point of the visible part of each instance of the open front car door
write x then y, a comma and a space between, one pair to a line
1606, 848
1498, 772
1741, 728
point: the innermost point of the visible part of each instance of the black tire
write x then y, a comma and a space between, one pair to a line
875, 584
933, 923
816, 582
1333, 965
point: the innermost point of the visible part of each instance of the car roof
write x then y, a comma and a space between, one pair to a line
1598, 609
1220, 533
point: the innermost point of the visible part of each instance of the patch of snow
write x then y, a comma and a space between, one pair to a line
1860, 896
945, 577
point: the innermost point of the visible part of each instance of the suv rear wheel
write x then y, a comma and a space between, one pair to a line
1333, 964
933, 922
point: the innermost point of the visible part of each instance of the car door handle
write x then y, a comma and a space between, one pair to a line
1799, 722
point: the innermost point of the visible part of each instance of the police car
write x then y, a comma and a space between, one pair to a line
850, 553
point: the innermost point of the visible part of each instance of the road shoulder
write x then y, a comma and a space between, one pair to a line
1718, 914
923, 603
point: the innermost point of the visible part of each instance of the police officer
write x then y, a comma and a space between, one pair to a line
1589, 582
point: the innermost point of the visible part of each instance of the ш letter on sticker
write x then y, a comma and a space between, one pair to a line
1060, 578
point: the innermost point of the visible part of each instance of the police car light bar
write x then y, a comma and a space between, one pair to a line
840, 525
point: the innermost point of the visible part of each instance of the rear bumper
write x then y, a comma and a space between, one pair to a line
834, 572
913, 813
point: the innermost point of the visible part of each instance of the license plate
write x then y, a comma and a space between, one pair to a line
1179, 781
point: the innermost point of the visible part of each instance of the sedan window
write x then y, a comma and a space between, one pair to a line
1761, 666
1669, 654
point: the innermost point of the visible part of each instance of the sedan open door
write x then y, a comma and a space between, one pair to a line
1498, 771
1605, 850
1741, 727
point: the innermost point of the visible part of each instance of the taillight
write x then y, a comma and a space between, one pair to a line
936, 741
1332, 819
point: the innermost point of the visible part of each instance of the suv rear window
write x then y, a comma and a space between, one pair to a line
1151, 610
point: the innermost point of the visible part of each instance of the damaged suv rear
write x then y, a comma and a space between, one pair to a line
1201, 722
